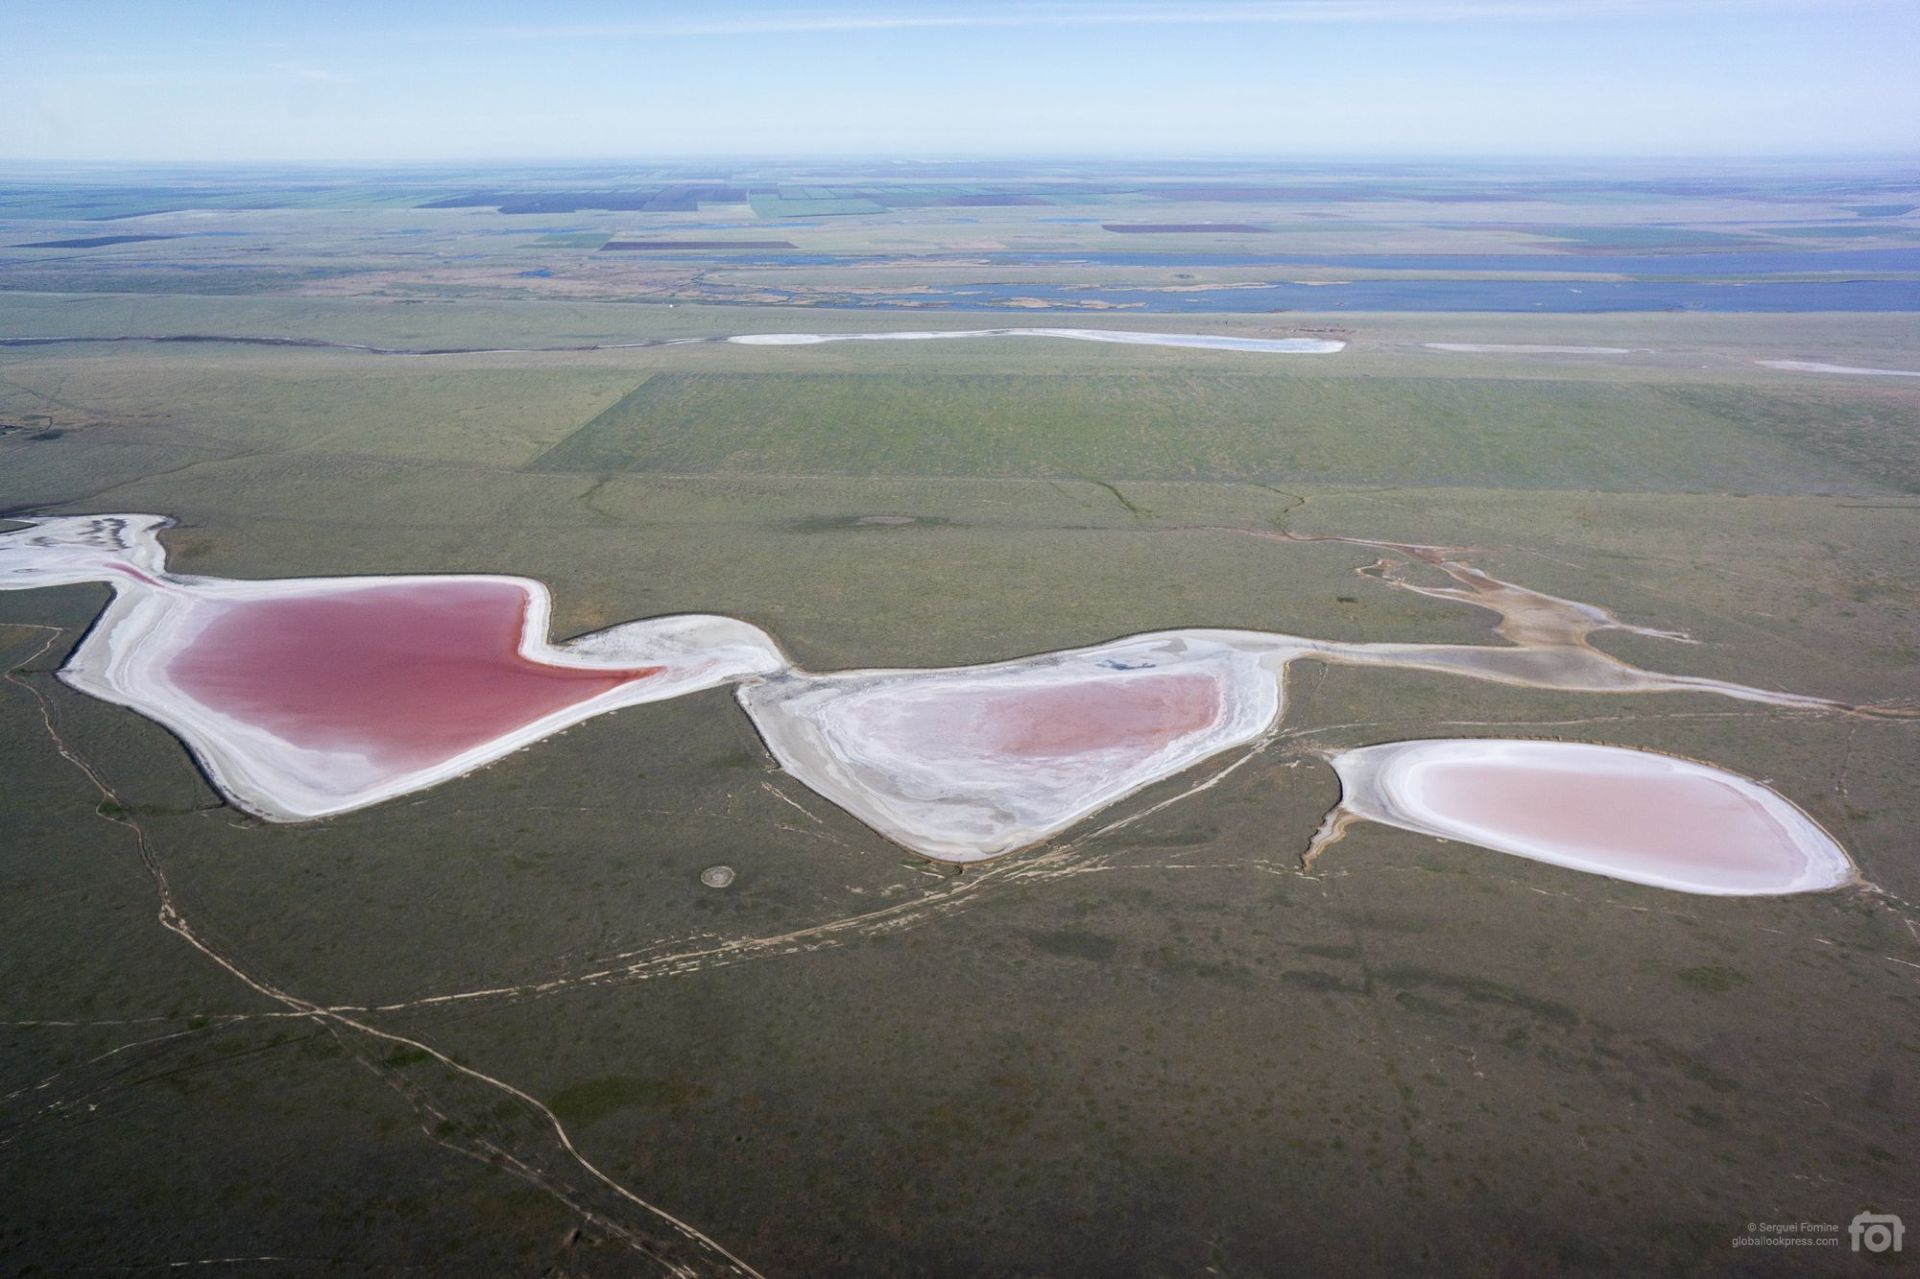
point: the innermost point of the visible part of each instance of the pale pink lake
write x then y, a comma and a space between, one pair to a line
1629, 814
1139, 712
1691, 822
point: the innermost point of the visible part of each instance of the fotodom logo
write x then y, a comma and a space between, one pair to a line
1876, 1232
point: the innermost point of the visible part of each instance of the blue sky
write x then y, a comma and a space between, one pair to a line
349, 81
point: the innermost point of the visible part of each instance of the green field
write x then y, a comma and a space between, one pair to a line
1266, 429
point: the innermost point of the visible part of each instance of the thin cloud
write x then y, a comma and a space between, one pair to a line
1255, 12
312, 75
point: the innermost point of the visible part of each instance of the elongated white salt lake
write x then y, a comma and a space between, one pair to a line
1851, 370
1129, 337
1607, 810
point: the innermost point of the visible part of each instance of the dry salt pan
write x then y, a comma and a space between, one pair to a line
1815, 366
967, 763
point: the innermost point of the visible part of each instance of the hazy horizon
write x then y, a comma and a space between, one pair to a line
959, 163
1281, 80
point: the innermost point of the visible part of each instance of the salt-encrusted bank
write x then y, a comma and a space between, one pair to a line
307, 697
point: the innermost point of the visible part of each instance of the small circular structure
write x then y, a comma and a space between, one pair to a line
717, 876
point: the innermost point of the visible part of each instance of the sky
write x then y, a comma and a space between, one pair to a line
349, 81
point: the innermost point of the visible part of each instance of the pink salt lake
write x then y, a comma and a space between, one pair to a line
406, 675
1628, 814
307, 697
1139, 714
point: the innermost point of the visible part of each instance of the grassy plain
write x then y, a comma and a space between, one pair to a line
1165, 1051
1215, 425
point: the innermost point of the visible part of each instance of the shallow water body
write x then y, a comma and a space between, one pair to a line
1707, 282
1627, 814
1784, 262
1545, 296
406, 674
302, 698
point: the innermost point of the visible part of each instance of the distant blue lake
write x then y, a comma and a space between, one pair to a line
1454, 295
1783, 262
1742, 281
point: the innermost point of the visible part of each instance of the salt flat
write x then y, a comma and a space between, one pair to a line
1815, 366
1128, 337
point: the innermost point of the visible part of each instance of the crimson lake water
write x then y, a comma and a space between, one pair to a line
408, 674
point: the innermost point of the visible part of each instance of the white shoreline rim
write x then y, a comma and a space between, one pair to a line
1381, 783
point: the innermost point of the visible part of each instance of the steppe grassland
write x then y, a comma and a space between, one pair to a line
285, 463
1224, 423
1383, 413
